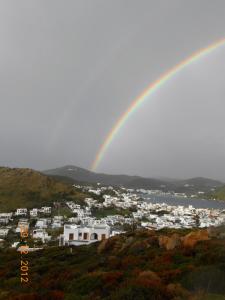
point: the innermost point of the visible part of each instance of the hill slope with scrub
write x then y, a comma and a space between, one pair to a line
29, 188
164, 265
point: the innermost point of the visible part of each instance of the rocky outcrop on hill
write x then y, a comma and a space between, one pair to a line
169, 243
128, 266
119, 244
189, 240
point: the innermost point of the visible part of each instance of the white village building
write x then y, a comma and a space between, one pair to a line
57, 222
4, 232
42, 223
21, 212
45, 210
41, 234
33, 212
4, 221
83, 234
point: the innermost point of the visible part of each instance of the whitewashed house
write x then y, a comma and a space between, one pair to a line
56, 224
6, 215
87, 221
46, 210
41, 234
34, 212
58, 218
96, 192
42, 223
72, 205
90, 201
117, 232
73, 220
21, 212
4, 232
4, 220
83, 235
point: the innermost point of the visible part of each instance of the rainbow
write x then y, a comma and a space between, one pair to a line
154, 86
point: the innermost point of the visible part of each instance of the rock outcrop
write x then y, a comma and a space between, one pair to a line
189, 240
169, 243
193, 237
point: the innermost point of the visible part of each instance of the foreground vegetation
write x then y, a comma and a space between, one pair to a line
128, 267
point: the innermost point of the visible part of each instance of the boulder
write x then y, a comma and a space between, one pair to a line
169, 243
177, 291
149, 275
163, 240
193, 237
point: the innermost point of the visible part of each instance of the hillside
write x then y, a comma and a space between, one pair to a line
83, 175
219, 193
29, 188
165, 265
189, 186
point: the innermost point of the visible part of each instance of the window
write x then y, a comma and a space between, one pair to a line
103, 237
71, 236
85, 235
94, 236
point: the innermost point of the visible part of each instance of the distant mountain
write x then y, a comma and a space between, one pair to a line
82, 175
197, 184
29, 188
201, 181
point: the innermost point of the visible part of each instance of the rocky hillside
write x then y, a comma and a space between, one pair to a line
164, 265
28, 188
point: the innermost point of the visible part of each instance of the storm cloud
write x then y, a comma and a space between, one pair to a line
69, 69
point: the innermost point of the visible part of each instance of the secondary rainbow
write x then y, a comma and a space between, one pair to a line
154, 86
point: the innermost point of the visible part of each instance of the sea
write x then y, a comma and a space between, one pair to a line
184, 201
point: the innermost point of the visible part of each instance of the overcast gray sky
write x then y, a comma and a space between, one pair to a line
70, 68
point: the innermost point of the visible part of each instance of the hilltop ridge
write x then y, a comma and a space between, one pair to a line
28, 188
191, 185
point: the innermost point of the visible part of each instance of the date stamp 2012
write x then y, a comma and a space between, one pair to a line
24, 263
